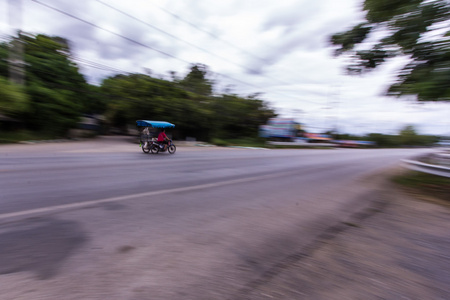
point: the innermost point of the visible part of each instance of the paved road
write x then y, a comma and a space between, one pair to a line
102, 220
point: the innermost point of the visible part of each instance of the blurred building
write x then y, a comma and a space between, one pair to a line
281, 129
89, 125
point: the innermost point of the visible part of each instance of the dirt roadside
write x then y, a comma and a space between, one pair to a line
397, 249
101, 144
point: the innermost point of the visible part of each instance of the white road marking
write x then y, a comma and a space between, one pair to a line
25, 213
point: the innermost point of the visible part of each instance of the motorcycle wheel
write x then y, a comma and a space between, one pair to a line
172, 149
154, 149
146, 150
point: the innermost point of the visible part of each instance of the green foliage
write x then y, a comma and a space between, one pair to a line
8, 137
49, 65
407, 136
54, 85
220, 142
94, 101
379, 11
407, 22
56, 95
196, 81
348, 40
13, 101
51, 110
242, 142
383, 140
427, 184
4, 59
138, 96
239, 117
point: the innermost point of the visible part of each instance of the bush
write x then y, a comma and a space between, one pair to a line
244, 142
23, 135
427, 184
219, 142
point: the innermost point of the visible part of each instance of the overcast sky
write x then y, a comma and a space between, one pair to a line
278, 48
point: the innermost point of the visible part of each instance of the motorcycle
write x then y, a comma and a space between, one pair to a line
150, 144
159, 147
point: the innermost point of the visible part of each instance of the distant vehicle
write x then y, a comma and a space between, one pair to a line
354, 144
443, 143
149, 143
318, 137
282, 129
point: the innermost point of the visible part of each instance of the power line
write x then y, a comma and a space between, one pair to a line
108, 68
171, 35
211, 34
146, 46
96, 65
193, 45
112, 32
186, 42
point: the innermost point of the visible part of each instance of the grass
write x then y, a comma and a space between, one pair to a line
23, 135
261, 143
244, 142
425, 184
297, 147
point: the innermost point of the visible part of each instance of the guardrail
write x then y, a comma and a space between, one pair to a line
427, 168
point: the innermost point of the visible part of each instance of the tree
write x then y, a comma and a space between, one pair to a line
54, 84
383, 140
55, 94
407, 27
4, 49
408, 136
236, 117
51, 111
13, 100
196, 80
139, 96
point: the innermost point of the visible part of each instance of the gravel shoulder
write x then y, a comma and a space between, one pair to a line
398, 249
101, 144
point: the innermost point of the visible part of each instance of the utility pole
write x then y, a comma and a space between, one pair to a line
16, 63
336, 102
332, 114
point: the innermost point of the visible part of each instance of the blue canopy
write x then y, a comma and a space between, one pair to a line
154, 124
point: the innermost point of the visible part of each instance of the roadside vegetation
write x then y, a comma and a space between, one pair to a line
244, 142
55, 96
9, 137
406, 137
425, 184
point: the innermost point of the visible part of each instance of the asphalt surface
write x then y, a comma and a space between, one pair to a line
397, 249
102, 220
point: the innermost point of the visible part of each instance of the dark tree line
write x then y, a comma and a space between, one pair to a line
55, 95
406, 137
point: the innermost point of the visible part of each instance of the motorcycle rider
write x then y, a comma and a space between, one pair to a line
146, 134
163, 139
